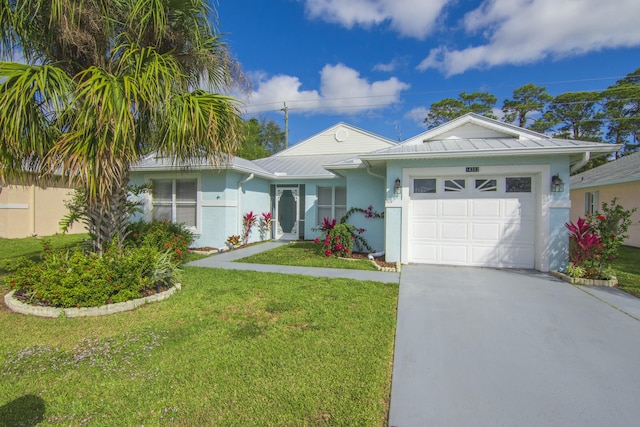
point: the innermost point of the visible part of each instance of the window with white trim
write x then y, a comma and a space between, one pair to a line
590, 202
175, 200
332, 203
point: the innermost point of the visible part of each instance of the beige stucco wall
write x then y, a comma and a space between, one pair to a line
628, 195
31, 210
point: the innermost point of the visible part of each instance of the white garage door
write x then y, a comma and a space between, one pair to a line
478, 221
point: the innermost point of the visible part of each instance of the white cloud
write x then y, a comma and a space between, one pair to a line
342, 90
525, 31
418, 115
386, 68
408, 17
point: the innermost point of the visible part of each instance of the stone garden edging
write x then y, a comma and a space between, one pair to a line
613, 282
41, 311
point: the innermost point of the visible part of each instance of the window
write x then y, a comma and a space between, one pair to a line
454, 185
424, 185
486, 185
175, 200
519, 185
590, 202
332, 203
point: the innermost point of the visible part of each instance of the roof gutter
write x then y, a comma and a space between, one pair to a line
583, 161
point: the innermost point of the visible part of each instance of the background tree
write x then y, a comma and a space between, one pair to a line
260, 138
526, 99
622, 112
450, 108
573, 115
105, 83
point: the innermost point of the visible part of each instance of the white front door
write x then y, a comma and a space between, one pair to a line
287, 208
487, 221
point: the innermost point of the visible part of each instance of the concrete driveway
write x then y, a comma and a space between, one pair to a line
484, 347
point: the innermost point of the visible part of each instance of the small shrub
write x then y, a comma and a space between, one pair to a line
165, 236
75, 278
233, 241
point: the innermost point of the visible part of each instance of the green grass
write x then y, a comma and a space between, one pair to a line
305, 254
32, 246
231, 348
627, 270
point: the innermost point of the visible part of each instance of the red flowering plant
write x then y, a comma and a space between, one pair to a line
596, 239
248, 221
266, 221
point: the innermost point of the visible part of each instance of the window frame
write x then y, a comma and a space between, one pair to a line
174, 203
333, 204
591, 202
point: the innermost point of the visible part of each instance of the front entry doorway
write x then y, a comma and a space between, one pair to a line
287, 207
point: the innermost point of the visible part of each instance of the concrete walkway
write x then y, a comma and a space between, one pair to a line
227, 260
488, 347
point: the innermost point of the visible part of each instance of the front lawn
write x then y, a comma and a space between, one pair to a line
305, 254
31, 247
231, 348
627, 270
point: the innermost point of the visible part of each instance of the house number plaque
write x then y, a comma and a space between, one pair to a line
473, 169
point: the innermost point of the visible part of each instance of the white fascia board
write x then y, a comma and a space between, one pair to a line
490, 153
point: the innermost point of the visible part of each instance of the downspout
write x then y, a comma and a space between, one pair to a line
370, 172
241, 182
586, 156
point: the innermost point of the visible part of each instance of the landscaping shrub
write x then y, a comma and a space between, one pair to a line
76, 278
594, 241
165, 236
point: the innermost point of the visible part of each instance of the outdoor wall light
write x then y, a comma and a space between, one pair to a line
557, 186
397, 188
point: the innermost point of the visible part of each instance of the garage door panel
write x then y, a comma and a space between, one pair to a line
454, 208
485, 231
453, 254
453, 230
425, 229
426, 208
486, 208
487, 256
425, 252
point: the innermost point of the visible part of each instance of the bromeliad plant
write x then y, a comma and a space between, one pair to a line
594, 241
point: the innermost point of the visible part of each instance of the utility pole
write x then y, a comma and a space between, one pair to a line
286, 125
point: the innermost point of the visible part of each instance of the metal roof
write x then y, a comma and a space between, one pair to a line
154, 163
488, 147
301, 166
625, 169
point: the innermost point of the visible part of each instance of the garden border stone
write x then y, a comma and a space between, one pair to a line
613, 282
19, 307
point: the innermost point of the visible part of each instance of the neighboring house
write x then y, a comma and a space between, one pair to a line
474, 191
30, 210
619, 178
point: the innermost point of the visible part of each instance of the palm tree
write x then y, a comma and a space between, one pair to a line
105, 82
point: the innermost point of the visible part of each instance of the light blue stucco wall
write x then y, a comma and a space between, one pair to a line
364, 190
558, 203
220, 208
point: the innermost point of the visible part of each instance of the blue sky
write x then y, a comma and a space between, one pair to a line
379, 64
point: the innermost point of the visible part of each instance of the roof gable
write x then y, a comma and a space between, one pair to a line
338, 139
472, 125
